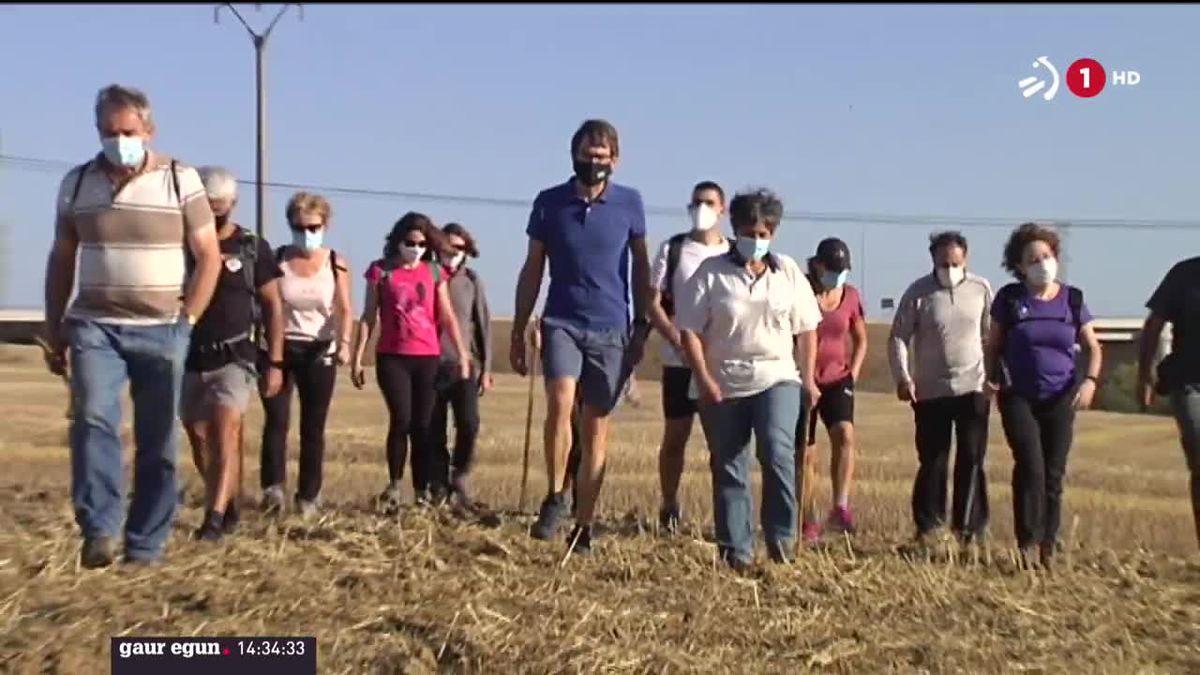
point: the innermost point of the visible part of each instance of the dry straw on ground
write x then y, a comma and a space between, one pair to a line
445, 591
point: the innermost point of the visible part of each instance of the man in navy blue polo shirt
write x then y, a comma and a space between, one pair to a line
588, 228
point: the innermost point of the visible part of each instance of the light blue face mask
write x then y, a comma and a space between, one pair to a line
307, 239
833, 280
127, 151
751, 248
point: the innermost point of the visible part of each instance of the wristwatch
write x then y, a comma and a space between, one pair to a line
190, 319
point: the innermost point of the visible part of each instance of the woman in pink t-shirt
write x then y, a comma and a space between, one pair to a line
841, 350
406, 294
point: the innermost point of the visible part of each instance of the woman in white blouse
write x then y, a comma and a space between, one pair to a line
749, 321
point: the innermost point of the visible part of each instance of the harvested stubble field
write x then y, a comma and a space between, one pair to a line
430, 591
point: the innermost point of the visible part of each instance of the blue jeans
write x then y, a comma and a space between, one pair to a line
771, 415
1185, 403
151, 359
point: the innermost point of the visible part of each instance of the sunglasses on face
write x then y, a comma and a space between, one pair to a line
413, 243
461, 248
299, 227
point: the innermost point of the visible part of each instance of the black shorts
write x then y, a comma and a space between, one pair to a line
837, 405
675, 401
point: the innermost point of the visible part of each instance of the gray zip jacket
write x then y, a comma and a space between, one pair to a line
474, 321
945, 328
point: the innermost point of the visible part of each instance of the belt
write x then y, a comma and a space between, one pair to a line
223, 345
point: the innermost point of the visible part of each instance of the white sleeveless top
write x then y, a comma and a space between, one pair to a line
308, 303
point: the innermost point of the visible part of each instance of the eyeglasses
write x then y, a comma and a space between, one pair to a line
413, 243
298, 227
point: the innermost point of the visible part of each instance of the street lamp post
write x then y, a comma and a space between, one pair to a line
260, 161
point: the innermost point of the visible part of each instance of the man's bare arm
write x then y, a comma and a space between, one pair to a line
60, 281
206, 250
529, 284
643, 293
1152, 331
272, 304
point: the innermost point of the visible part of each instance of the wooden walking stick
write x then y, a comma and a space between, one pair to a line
533, 344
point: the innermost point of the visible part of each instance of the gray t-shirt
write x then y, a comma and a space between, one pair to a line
945, 328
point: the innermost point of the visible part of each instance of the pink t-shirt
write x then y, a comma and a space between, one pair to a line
407, 310
833, 337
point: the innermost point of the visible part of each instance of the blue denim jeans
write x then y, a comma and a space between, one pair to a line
151, 359
771, 416
1185, 403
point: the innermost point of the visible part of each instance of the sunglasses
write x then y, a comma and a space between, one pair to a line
459, 247
297, 227
413, 243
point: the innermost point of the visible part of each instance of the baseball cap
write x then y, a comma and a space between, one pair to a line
833, 254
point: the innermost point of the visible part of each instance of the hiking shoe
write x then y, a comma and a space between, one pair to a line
668, 519
811, 532
213, 528
841, 520
273, 501
232, 517
780, 553
459, 488
580, 541
1029, 558
388, 502
98, 552
307, 508
439, 494
554, 510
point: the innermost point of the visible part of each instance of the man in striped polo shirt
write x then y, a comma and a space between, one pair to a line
132, 218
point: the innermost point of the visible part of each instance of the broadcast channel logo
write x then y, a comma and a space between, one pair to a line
1085, 78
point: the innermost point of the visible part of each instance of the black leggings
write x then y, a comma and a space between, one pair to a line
313, 379
461, 396
407, 386
1040, 435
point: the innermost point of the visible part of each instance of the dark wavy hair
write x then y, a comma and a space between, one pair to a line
457, 230
412, 222
1023, 236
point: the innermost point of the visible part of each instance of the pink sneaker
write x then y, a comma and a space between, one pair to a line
841, 520
812, 532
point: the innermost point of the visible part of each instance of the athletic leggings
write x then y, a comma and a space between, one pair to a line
313, 377
1040, 435
407, 386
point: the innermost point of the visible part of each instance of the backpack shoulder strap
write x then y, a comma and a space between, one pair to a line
436, 268
175, 182
674, 253
83, 168
1075, 302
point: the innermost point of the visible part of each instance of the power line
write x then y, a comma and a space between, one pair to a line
895, 219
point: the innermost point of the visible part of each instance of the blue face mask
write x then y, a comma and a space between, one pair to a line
751, 248
126, 151
833, 280
307, 239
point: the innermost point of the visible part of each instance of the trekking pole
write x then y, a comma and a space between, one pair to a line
533, 346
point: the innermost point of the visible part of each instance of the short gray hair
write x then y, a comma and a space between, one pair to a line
219, 182
118, 96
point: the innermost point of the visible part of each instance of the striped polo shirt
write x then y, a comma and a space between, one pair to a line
132, 240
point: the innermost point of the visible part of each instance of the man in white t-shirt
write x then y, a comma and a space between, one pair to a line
677, 260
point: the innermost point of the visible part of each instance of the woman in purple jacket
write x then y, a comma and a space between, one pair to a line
1037, 325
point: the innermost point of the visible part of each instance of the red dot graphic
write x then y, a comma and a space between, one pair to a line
1085, 78
226, 651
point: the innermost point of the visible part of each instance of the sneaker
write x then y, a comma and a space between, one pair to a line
460, 489
439, 494
553, 511
273, 501
841, 520
389, 501
1030, 558
668, 519
232, 517
580, 541
307, 508
780, 553
1046, 554
812, 532
213, 528
98, 552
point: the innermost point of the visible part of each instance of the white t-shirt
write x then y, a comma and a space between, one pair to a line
748, 324
691, 254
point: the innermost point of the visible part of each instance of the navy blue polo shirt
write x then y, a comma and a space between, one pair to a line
588, 247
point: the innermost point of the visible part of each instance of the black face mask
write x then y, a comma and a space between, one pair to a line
591, 174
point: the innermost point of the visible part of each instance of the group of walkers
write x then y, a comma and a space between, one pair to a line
195, 313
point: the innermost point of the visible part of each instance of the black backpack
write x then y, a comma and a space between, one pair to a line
1012, 303
674, 252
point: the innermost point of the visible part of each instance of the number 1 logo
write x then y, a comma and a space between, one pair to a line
1085, 78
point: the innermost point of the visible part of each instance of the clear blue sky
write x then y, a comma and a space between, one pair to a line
882, 109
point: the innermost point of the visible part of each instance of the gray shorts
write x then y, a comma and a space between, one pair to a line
1186, 405
596, 359
230, 386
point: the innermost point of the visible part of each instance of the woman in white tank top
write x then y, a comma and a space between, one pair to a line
315, 289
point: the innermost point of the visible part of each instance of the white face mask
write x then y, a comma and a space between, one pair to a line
1043, 272
704, 217
456, 260
411, 253
951, 276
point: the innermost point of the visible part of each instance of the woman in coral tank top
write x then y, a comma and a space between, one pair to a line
407, 297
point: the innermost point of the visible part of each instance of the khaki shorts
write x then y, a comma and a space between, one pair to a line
230, 385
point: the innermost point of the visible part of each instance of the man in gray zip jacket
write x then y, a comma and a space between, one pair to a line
943, 318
